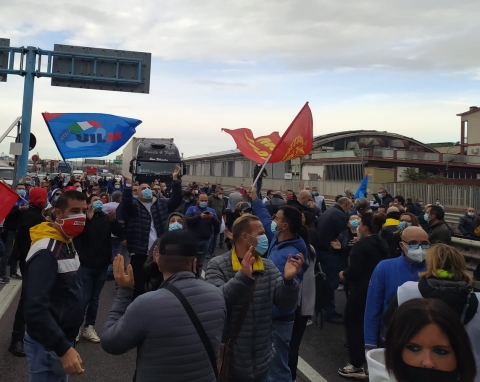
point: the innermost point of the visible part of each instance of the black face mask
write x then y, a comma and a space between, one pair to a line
425, 374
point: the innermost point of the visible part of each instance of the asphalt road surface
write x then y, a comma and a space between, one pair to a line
322, 349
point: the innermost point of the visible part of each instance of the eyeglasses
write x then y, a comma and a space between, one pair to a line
415, 245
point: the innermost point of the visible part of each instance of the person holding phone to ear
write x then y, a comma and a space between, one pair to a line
202, 221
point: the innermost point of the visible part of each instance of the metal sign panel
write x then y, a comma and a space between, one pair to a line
4, 42
106, 69
97, 162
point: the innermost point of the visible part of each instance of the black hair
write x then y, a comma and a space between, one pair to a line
309, 218
269, 192
293, 217
64, 199
338, 197
187, 194
438, 212
400, 198
178, 243
414, 315
409, 200
374, 221
89, 198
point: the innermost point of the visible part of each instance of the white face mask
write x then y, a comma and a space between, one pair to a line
79, 189
417, 255
471, 214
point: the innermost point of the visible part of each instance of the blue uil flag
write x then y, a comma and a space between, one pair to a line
86, 135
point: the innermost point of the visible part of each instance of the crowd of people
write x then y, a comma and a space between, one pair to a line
411, 311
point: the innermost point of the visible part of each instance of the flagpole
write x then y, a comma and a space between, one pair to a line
261, 170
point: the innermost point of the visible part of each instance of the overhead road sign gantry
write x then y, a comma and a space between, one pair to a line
76, 67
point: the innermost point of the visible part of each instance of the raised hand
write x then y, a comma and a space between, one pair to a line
124, 280
176, 173
293, 266
247, 262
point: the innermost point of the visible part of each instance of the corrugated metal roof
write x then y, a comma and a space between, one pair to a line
320, 140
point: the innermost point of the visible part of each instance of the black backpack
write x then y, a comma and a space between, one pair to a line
323, 294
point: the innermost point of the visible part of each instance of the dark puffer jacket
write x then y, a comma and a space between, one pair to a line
156, 323
253, 350
138, 219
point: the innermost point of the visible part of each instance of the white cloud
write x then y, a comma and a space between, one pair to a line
303, 34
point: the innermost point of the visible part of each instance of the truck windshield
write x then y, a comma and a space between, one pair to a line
157, 168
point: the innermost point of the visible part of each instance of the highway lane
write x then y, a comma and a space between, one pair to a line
322, 349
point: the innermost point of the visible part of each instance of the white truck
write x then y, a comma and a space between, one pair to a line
147, 159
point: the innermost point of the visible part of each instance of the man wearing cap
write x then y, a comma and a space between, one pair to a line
169, 347
28, 219
203, 222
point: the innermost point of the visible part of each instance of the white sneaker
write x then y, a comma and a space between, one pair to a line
341, 287
90, 334
309, 322
77, 339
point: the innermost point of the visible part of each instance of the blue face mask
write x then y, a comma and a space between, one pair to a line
420, 203
354, 223
21, 193
404, 225
344, 194
314, 193
147, 193
262, 244
203, 204
273, 228
186, 200
425, 216
55, 198
308, 204
97, 205
348, 213
135, 196
380, 195
27, 182
174, 226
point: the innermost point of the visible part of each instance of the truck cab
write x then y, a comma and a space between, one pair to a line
156, 159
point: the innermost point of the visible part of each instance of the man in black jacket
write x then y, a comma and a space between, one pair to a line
415, 209
94, 247
275, 202
145, 222
202, 221
53, 294
28, 219
383, 197
468, 223
330, 225
264, 174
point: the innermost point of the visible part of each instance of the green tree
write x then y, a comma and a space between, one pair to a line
414, 174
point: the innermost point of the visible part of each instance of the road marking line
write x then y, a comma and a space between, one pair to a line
7, 294
309, 371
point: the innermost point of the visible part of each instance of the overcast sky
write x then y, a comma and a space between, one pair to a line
406, 67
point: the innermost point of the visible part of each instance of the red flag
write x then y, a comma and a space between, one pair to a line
8, 198
295, 142
255, 149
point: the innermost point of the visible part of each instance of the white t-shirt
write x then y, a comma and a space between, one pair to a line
152, 236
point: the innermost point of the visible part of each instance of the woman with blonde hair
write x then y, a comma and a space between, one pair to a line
446, 278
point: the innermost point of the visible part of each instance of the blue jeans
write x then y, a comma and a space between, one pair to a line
202, 247
93, 281
331, 266
282, 334
45, 366
259, 188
